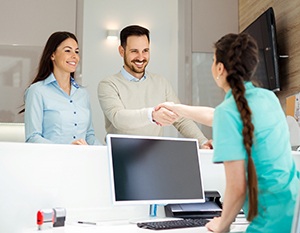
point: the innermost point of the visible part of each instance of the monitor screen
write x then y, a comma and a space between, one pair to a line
154, 170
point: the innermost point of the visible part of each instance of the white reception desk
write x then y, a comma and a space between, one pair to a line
42, 176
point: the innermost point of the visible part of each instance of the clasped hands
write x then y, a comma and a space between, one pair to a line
166, 114
163, 115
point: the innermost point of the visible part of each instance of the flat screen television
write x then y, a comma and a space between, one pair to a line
263, 30
154, 170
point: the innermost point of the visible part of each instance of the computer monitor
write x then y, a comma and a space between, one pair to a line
154, 170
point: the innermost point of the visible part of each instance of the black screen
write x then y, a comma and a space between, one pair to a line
155, 170
263, 30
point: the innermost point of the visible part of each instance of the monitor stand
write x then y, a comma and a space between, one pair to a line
152, 217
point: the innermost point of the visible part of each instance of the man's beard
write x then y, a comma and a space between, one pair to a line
133, 67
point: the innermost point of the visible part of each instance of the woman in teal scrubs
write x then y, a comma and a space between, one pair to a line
251, 139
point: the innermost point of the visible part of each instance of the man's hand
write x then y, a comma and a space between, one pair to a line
164, 117
207, 145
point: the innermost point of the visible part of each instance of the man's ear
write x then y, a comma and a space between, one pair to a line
121, 50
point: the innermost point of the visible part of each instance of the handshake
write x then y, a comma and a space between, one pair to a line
167, 113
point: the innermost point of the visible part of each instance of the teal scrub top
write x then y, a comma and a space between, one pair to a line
278, 184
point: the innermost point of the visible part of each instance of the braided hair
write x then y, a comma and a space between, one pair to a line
239, 54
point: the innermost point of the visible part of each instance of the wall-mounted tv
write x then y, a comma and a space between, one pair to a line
263, 29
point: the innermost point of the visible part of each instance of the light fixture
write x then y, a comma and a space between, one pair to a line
112, 34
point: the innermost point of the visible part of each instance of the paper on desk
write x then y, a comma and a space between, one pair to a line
238, 228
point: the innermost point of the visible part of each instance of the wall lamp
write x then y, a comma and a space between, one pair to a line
112, 35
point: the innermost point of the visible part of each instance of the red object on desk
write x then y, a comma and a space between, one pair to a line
45, 217
40, 218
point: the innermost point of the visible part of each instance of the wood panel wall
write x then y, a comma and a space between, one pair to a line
287, 16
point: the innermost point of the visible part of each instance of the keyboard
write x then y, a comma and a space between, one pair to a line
173, 224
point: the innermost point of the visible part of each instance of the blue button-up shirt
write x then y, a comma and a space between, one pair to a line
53, 116
130, 77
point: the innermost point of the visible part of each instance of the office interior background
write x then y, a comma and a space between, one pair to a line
182, 33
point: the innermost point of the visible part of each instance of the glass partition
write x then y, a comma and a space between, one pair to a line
18, 65
205, 91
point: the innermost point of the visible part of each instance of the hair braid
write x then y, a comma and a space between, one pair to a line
238, 93
240, 51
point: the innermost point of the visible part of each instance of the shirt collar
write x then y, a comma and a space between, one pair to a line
130, 77
248, 85
74, 83
51, 78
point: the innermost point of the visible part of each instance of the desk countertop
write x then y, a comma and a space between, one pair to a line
121, 227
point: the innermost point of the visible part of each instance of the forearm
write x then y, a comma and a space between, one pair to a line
189, 129
91, 138
232, 205
37, 138
33, 127
117, 110
235, 192
202, 115
126, 119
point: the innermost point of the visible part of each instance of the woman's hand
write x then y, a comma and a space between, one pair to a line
168, 105
79, 142
215, 225
201, 114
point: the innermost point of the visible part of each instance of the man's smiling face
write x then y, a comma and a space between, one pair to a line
136, 55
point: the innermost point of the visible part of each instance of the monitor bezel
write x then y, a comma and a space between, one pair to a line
154, 201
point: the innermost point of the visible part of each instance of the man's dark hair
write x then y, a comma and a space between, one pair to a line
133, 30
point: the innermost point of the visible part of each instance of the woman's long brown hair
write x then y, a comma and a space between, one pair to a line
45, 65
239, 54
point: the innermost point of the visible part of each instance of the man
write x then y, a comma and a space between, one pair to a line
128, 98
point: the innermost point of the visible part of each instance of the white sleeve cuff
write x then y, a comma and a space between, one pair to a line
150, 110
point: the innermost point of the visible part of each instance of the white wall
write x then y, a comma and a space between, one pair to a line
100, 57
30, 22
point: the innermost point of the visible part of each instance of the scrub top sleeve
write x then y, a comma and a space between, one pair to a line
227, 136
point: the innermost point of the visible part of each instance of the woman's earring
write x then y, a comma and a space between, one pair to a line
218, 78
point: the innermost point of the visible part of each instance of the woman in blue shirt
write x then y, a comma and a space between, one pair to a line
57, 109
251, 138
